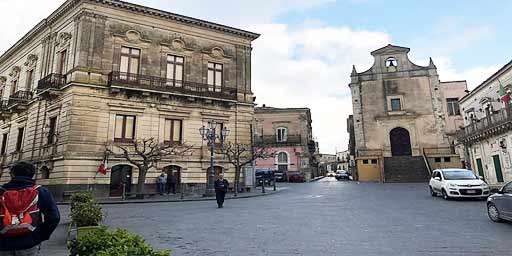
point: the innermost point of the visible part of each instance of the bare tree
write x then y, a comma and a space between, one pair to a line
145, 153
240, 155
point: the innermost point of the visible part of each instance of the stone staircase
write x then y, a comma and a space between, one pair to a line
405, 169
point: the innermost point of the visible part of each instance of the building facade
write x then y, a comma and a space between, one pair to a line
287, 132
110, 72
400, 122
486, 138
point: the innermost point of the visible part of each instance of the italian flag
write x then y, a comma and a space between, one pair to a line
504, 96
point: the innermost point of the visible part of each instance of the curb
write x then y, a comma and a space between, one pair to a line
271, 192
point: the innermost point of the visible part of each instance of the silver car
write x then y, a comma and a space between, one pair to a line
499, 205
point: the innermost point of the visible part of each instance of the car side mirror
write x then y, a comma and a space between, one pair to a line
501, 191
437, 178
481, 177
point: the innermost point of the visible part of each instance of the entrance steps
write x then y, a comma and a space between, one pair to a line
405, 169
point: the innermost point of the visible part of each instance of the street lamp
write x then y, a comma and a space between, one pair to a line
209, 134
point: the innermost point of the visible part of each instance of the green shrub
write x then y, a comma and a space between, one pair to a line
101, 242
85, 211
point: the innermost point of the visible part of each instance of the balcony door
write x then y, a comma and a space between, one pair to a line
215, 71
130, 62
174, 71
281, 134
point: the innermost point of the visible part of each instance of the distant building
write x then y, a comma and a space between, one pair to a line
343, 160
288, 132
327, 163
486, 138
402, 122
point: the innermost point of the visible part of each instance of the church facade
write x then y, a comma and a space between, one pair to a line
400, 118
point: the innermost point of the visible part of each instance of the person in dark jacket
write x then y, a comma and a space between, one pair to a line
171, 183
221, 187
22, 174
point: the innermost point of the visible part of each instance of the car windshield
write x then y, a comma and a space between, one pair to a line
459, 175
293, 173
342, 171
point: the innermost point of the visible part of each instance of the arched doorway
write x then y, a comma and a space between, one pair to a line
120, 177
173, 174
400, 142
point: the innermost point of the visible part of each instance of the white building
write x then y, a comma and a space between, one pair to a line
485, 142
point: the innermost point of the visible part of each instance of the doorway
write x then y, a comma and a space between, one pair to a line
174, 170
400, 142
497, 168
480, 167
120, 178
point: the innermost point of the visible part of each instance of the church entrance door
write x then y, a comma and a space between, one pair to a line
400, 142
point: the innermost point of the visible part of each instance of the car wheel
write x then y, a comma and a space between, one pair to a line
493, 212
445, 195
432, 192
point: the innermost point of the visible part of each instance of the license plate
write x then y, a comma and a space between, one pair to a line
471, 191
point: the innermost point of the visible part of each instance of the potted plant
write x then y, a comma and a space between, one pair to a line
86, 213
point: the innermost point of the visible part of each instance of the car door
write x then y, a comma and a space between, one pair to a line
437, 183
506, 201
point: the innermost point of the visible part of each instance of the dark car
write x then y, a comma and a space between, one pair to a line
280, 176
499, 205
266, 176
342, 175
296, 177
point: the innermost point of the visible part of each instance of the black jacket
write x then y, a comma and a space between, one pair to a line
43, 231
221, 186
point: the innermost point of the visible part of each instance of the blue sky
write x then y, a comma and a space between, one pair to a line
307, 48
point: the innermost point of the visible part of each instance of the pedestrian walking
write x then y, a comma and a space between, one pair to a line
160, 183
221, 187
28, 213
171, 183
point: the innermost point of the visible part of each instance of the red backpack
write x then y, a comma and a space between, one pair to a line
19, 211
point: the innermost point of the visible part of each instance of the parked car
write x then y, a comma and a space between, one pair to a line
499, 205
342, 175
280, 176
266, 176
330, 174
460, 183
296, 177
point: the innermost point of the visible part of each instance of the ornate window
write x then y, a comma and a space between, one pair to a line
282, 134
215, 71
130, 60
125, 128
61, 65
175, 70
282, 161
173, 131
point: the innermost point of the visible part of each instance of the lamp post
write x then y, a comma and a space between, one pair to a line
209, 134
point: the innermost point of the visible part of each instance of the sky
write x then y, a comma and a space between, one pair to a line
305, 54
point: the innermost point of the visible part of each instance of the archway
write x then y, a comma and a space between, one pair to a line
45, 172
120, 178
400, 142
173, 174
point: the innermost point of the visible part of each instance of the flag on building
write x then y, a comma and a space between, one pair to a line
104, 165
504, 96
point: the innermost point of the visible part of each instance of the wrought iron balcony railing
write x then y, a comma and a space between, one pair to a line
19, 97
52, 81
478, 127
162, 84
274, 140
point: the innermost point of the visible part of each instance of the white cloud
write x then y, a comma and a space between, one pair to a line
474, 76
18, 17
311, 68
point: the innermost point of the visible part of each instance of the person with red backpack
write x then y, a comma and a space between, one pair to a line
28, 213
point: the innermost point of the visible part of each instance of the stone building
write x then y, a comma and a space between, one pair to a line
287, 132
97, 72
400, 118
486, 138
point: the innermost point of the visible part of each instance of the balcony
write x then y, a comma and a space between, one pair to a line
51, 82
17, 101
494, 124
176, 87
272, 140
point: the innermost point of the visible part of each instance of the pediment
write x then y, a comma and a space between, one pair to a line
390, 49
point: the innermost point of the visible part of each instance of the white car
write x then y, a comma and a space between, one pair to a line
460, 183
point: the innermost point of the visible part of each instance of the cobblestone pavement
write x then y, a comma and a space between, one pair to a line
322, 218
